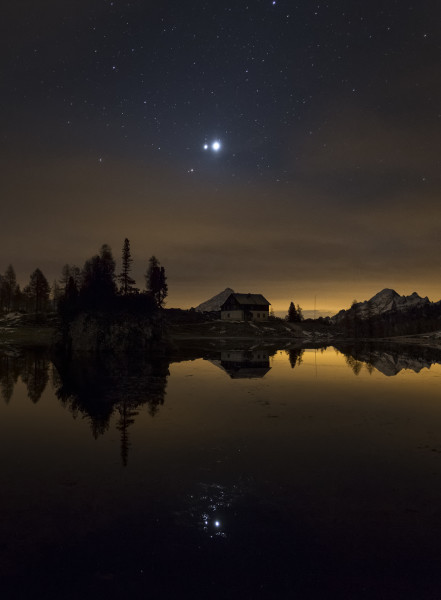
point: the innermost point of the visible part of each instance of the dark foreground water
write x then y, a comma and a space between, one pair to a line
259, 474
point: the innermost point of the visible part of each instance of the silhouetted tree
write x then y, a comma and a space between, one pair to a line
300, 312
68, 302
124, 278
38, 291
98, 287
293, 316
57, 294
156, 282
70, 271
65, 274
8, 289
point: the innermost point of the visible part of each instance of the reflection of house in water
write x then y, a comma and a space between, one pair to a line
244, 363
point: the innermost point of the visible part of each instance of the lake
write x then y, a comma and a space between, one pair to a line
222, 473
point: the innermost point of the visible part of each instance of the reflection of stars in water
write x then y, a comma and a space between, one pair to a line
211, 509
213, 526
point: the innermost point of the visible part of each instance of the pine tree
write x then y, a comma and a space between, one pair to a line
124, 278
156, 281
57, 294
9, 286
38, 291
68, 303
70, 271
98, 287
293, 316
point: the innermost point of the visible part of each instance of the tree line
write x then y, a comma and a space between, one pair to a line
96, 285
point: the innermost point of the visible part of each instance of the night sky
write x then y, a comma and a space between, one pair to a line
326, 178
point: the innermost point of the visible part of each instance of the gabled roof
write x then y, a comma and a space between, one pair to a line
256, 299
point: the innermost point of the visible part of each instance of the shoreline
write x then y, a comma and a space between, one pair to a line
220, 332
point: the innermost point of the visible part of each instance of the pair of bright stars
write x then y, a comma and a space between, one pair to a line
215, 146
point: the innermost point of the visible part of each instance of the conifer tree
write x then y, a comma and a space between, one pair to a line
70, 271
9, 286
38, 290
124, 278
156, 281
98, 280
293, 316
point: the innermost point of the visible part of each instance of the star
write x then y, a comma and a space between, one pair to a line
215, 146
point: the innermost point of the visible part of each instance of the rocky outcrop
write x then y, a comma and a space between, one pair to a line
122, 333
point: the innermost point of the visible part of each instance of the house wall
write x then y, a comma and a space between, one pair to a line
238, 315
232, 315
260, 315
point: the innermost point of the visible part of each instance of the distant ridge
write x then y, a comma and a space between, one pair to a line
384, 302
216, 302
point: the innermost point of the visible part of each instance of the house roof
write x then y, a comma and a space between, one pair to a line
244, 299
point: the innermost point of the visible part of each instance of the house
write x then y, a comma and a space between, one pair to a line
245, 307
245, 364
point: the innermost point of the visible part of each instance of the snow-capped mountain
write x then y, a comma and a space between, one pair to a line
383, 302
216, 302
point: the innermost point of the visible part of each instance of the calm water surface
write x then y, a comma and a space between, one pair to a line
259, 474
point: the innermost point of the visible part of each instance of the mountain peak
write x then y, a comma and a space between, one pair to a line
383, 302
386, 293
215, 302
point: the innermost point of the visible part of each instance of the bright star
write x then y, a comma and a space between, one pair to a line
205, 146
216, 146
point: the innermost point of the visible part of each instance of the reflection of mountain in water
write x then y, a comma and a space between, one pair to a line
31, 365
243, 364
389, 359
98, 389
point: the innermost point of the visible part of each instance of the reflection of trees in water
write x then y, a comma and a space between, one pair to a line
295, 356
98, 389
9, 372
32, 365
126, 418
354, 364
35, 374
